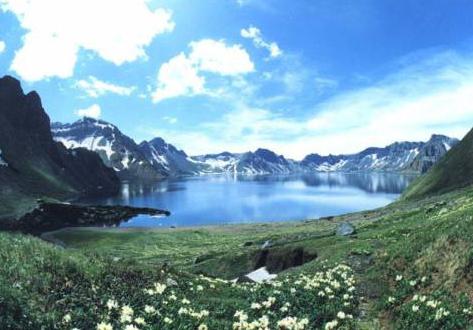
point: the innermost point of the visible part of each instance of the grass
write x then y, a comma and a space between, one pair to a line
426, 243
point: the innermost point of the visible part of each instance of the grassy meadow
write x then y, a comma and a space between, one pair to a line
409, 266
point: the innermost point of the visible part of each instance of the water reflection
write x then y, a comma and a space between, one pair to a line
233, 199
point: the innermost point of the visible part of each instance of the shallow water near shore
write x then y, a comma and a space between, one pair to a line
226, 199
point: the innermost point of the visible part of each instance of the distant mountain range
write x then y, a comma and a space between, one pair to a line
157, 159
397, 157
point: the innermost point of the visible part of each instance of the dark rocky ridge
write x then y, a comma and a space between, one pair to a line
36, 165
53, 216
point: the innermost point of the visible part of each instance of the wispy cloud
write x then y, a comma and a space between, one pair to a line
254, 34
95, 88
426, 94
94, 111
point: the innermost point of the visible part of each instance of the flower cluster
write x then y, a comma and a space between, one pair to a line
325, 299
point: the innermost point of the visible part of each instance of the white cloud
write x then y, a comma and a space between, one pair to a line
426, 95
117, 31
3, 46
178, 77
170, 120
182, 75
217, 57
94, 87
93, 111
255, 35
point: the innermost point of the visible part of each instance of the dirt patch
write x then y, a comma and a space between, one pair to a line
278, 259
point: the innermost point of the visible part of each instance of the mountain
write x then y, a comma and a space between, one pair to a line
164, 155
262, 161
397, 157
117, 150
453, 171
32, 164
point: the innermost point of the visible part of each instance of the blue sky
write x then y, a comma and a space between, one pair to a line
296, 77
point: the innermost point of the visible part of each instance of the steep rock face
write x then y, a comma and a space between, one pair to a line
431, 152
453, 171
117, 150
397, 157
164, 155
33, 164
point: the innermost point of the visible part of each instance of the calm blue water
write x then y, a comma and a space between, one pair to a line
223, 199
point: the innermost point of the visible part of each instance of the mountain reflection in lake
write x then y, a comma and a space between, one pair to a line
221, 199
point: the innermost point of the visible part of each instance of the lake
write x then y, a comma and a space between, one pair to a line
222, 199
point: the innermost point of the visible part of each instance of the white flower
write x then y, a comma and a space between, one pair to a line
104, 326
413, 283
415, 308
391, 300
140, 320
202, 327
111, 304
131, 327
67, 318
149, 309
255, 306
398, 278
167, 320
331, 325
341, 315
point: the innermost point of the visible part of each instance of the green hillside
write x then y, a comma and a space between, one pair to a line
408, 267
454, 170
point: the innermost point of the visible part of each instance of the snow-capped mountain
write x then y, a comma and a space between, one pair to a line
397, 157
117, 150
156, 158
153, 159
164, 155
262, 161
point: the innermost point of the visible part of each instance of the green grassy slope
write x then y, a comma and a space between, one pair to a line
426, 242
454, 170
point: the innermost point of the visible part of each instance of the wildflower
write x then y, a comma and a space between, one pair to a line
104, 326
149, 309
341, 315
423, 279
67, 318
111, 304
126, 314
202, 327
331, 325
398, 278
131, 327
413, 283
140, 320
415, 308
391, 300
255, 306
167, 320
200, 288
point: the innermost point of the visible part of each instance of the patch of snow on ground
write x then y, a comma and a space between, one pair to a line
261, 275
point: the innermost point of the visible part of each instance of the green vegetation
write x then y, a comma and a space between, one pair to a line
411, 264
453, 171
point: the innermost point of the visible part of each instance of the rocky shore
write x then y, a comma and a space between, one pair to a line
52, 216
